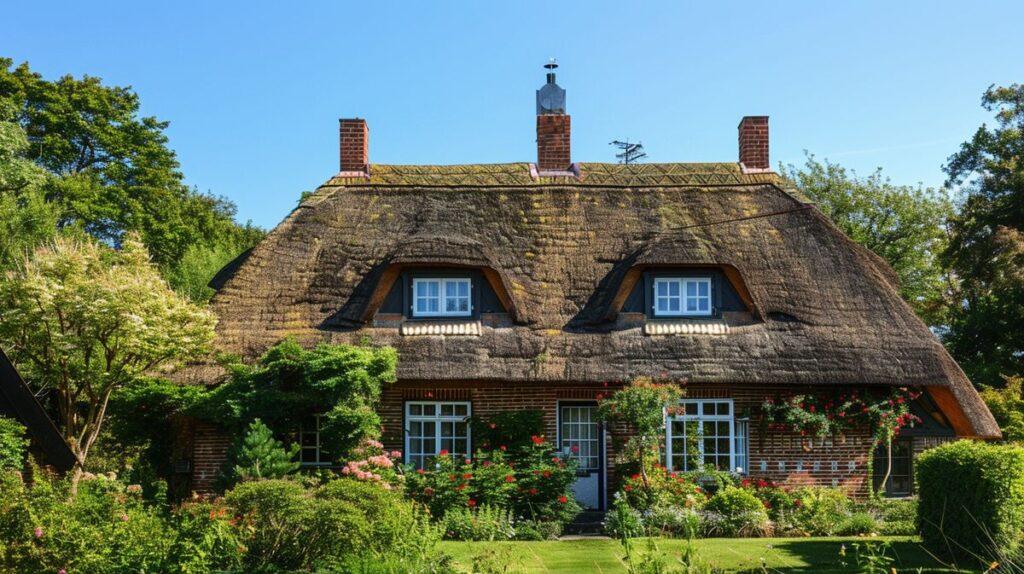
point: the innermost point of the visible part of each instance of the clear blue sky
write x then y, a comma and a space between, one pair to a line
253, 91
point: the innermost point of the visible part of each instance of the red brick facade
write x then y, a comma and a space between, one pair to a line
553, 134
779, 455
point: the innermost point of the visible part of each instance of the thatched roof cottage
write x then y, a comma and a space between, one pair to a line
538, 285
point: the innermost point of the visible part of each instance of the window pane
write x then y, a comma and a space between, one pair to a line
464, 289
673, 288
451, 289
662, 289
461, 410
429, 410
447, 410
702, 305
673, 305
691, 408
702, 288
709, 408
691, 289
415, 410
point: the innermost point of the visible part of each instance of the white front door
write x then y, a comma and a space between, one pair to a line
580, 436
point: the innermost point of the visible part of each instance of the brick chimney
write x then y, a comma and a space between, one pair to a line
355, 145
553, 126
754, 143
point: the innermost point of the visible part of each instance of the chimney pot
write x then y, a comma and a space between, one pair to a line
354, 141
753, 139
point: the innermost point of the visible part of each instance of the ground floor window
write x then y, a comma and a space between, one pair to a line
704, 433
901, 476
311, 451
432, 427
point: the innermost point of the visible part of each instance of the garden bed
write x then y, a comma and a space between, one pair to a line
805, 555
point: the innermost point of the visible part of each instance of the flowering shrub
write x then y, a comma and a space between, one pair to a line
664, 487
826, 414
777, 501
375, 464
534, 485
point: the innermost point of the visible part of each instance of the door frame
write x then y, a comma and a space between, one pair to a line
602, 451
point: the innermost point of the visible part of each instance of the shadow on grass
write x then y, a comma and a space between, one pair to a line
822, 556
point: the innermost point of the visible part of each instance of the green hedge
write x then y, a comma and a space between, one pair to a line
971, 499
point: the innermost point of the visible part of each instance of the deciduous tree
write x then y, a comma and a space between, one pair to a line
986, 247
83, 320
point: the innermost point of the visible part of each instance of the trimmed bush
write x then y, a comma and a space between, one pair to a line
971, 499
858, 523
735, 512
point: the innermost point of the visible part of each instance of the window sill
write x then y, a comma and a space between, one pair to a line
419, 328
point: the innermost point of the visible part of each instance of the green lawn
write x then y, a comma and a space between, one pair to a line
803, 555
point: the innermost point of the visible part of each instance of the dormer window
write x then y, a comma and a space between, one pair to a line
682, 297
442, 297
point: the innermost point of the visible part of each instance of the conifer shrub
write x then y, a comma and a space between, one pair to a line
971, 499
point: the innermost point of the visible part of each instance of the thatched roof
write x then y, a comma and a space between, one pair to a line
825, 310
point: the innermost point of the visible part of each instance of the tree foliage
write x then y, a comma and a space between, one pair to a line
13, 444
110, 170
1007, 406
83, 320
289, 383
986, 247
905, 225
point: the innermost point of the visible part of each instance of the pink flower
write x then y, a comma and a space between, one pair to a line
124, 518
38, 531
493, 426
62, 571
396, 454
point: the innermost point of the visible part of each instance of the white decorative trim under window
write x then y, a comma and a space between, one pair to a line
704, 433
435, 426
311, 451
442, 297
682, 296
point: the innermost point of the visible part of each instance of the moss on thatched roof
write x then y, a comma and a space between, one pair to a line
830, 313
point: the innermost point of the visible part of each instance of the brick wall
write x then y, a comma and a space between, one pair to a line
553, 135
209, 451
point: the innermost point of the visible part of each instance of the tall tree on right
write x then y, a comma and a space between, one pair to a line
986, 245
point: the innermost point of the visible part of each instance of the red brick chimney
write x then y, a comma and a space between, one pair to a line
355, 145
754, 143
553, 132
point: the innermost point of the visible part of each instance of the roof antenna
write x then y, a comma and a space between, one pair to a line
631, 152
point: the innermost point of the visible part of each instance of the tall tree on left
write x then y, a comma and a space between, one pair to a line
83, 320
112, 169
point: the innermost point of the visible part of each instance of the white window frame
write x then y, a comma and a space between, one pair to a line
682, 282
442, 297
438, 419
318, 448
738, 431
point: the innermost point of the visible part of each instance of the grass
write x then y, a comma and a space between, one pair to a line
791, 555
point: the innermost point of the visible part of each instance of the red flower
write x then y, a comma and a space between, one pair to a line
562, 500
547, 473
533, 492
537, 439
600, 397
798, 503
428, 491
460, 487
503, 448
746, 482
451, 477
574, 449
627, 488
444, 452
421, 471
635, 477
510, 478
467, 476
471, 502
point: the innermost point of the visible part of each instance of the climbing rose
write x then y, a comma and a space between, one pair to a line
444, 452
562, 500
537, 439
